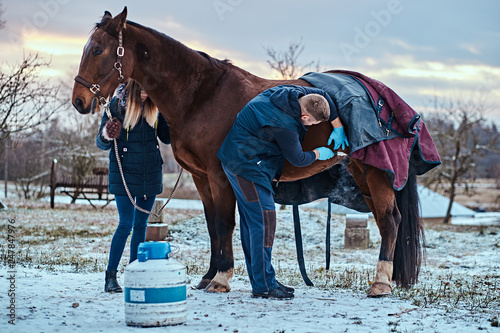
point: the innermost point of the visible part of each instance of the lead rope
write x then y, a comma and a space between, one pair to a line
157, 214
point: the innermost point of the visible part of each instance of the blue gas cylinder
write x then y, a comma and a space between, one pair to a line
155, 287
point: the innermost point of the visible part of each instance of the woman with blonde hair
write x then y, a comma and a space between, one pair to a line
136, 124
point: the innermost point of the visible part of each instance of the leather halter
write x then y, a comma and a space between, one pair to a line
96, 88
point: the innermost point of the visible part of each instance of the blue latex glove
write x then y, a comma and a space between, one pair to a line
325, 153
339, 137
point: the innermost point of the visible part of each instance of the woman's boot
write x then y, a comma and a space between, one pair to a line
111, 285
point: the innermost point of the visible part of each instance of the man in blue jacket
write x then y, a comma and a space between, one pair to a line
267, 130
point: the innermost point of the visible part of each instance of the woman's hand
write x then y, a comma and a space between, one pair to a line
112, 129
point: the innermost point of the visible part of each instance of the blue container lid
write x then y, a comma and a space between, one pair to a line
153, 250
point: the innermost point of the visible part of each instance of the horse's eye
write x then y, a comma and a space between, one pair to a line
96, 52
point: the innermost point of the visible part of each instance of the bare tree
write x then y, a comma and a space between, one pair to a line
462, 138
30, 176
2, 25
25, 100
68, 138
73, 144
77, 152
286, 63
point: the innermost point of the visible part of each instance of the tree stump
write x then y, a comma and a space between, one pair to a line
156, 230
357, 236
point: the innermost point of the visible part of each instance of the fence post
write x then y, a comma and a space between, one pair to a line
53, 180
357, 236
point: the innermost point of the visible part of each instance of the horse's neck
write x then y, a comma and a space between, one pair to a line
171, 73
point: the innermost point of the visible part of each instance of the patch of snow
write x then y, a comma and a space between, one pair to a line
63, 301
67, 302
336, 209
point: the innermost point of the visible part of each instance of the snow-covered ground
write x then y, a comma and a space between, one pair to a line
63, 301
67, 302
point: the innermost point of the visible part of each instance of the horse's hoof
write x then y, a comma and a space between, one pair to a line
380, 289
220, 282
203, 283
216, 287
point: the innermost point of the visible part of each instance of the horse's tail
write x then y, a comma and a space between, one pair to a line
410, 242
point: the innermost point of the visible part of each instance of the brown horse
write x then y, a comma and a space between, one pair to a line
200, 97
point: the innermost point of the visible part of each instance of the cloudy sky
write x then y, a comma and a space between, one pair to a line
421, 49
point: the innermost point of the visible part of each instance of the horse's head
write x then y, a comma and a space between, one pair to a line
101, 67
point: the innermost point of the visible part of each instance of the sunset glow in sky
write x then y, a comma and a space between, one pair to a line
420, 49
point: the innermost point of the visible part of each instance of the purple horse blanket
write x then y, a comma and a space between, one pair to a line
407, 142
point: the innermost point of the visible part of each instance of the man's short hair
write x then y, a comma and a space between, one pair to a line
317, 106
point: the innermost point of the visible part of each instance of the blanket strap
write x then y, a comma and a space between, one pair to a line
298, 245
298, 241
328, 222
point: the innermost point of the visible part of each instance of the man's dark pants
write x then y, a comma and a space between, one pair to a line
257, 228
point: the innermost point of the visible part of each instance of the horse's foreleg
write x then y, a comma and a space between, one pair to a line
224, 205
225, 257
220, 193
203, 188
381, 199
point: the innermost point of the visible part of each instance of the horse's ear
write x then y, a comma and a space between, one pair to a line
105, 18
123, 19
118, 23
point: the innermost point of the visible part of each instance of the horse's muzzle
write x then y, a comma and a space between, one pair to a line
80, 107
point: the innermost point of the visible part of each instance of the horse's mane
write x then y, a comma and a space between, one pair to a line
214, 61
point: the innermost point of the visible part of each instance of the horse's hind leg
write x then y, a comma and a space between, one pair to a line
381, 199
